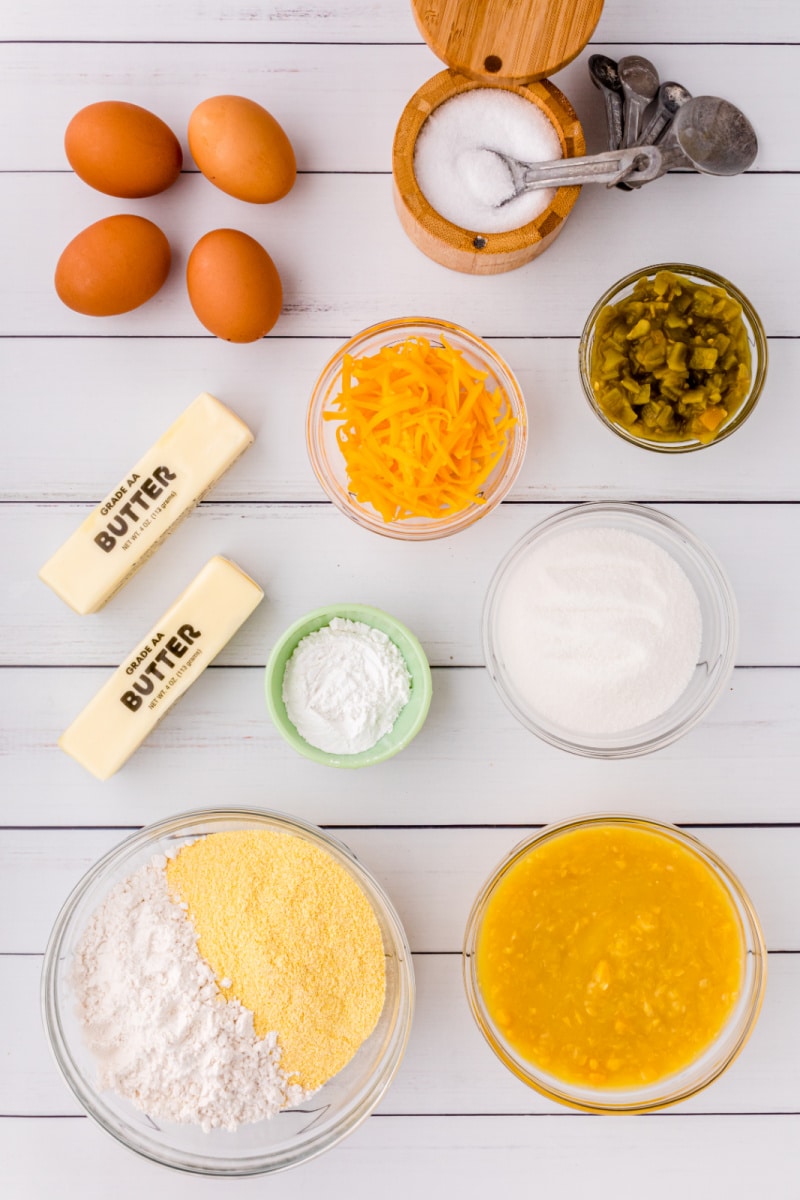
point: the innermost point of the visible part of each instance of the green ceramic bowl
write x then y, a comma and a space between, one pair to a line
410, 720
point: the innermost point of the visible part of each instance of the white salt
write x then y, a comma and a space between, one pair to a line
599, 630
485, 176
464, 183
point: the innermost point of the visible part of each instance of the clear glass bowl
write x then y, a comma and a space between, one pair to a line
755, 336
719, 632
697, 1075
291, 1137
328, 462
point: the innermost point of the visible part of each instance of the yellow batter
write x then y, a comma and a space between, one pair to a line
610, 956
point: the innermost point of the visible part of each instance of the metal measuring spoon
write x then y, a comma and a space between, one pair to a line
641, 163
605, 76
714, 136
639, 80
707, 133
669, 98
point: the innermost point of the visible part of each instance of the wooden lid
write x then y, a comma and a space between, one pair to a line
507, 40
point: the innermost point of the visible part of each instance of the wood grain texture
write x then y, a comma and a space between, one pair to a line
316, 91
339, 561
471, 764
369, 21
84, 398
510, 43
448, 1068
399, 1156
550, 297
571, 455
448, 244
432, 874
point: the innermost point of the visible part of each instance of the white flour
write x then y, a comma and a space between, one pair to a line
599, 629
345, 686
153, 1016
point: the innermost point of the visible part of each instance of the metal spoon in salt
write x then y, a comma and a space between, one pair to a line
604, 75
639, 163
669, 98
639, 80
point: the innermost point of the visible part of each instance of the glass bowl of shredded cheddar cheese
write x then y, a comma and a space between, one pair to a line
228, 992
416, 428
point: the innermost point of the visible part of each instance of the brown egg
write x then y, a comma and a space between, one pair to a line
113, 266
241, 148
122, 149
234, 286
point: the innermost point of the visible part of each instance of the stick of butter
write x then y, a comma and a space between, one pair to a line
162, 667
163, 488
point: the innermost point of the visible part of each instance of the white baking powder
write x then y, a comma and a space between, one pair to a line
464, 183
599, 629
344, 686
163, 1034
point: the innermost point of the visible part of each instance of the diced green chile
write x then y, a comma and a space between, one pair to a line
672, 360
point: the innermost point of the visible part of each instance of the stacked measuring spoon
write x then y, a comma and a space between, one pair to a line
629, 88
652, 127
642, 111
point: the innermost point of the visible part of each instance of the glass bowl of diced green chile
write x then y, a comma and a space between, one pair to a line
673, 358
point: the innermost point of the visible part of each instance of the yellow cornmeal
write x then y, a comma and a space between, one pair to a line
610, 956
293, 937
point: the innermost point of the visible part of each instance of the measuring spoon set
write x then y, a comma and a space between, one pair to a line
652, 127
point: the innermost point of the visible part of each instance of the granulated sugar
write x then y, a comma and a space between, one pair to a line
599, 630
464, 183
153, 1016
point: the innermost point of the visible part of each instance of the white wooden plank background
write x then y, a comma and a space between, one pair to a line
79, 461
372, 22
265, 538
85, 397
448, 1066
471, 763
345, 261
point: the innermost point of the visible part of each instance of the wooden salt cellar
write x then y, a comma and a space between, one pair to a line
492, 43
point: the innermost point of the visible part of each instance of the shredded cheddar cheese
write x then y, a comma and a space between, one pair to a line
419, 430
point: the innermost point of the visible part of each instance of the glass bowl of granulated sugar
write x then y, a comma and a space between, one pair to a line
228, 992
610, 630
